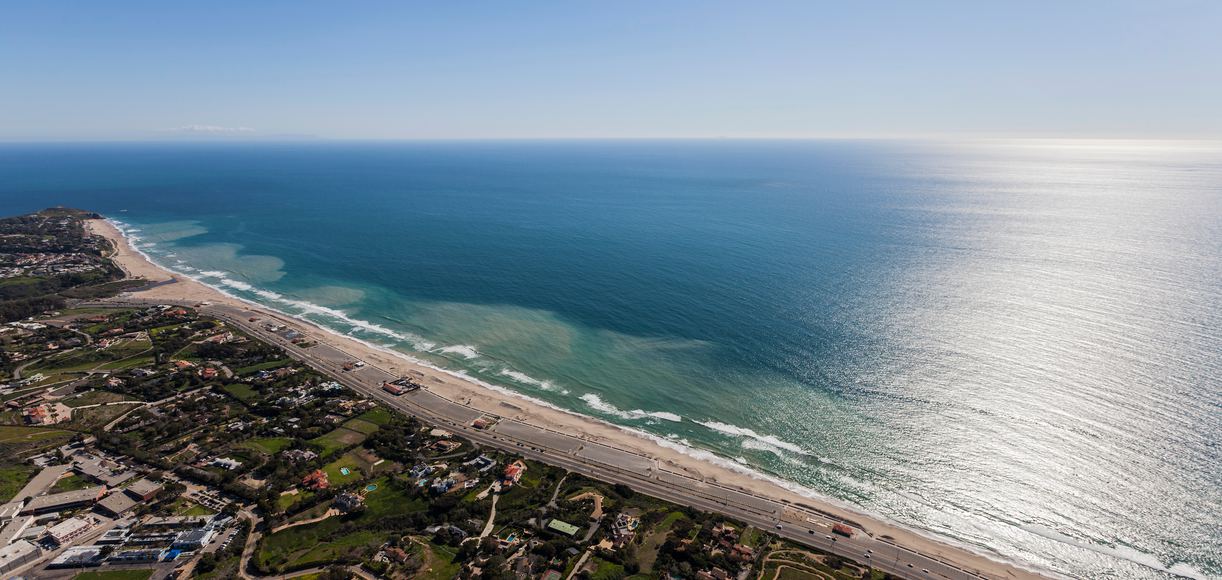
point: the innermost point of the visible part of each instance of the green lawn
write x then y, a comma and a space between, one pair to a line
94, 397
21, 434
268, 445
444, 567
340, 438
751, 537
606, 570
242, 391
286, 501
196, 510
138, 574
70, 482
357, 469
328, 540
129, 363
13, 478
378, 416
361, 426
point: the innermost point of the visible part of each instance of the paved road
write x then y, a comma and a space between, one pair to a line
598, 461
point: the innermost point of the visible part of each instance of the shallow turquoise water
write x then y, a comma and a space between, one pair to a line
1015, 345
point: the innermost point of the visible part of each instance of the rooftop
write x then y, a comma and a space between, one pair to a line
67, 497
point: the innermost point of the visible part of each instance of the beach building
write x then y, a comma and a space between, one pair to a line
16, 555
68, 530
62, 501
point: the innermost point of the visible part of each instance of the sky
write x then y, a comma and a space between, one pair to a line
88, 70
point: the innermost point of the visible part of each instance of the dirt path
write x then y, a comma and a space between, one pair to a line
491, 518
327, 514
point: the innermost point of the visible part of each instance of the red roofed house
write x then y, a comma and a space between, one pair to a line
513, 472
316, 480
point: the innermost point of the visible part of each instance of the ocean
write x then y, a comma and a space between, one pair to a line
1015, 345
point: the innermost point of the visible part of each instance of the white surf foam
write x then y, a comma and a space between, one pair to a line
464, 350
522, 377
595, 402
770, 440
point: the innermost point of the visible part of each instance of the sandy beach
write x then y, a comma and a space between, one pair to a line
180, 288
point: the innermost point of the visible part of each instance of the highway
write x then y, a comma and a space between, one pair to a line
642, 474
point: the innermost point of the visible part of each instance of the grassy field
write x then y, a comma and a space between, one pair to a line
443, 563
71, 482
242, 391
359, 468
13, 478
378, 416
94, 397
95, 417
605, 570
138, 574
20, 434
128, 363
286, 501
361, 426
339, 438
268, 445
196, 510
751, 537
325, 541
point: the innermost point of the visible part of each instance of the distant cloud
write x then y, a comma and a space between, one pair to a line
211, 130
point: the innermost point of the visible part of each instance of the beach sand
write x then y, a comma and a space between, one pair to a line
176, 287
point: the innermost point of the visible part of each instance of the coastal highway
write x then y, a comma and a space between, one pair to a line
795, 522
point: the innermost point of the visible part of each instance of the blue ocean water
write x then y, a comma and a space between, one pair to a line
1014, 345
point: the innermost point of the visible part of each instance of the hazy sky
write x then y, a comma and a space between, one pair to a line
258, 69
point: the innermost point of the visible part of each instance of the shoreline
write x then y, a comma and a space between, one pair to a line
458, 387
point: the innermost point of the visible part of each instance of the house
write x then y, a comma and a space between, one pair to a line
443, 485
207, 373
299, 455
348, 502
316, 480
513, 473
225, 463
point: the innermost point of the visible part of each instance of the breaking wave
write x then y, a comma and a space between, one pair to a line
595, 402
529, 380
760, 441
466, 351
